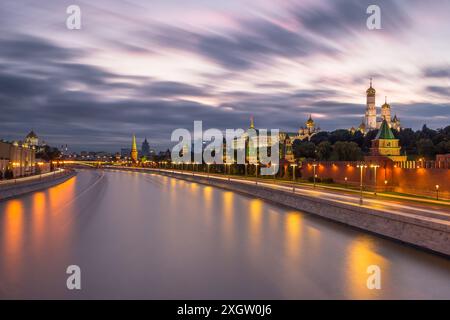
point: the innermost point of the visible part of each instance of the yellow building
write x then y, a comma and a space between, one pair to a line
17, 157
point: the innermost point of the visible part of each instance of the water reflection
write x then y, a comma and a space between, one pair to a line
168, 238
362, 254
13, 230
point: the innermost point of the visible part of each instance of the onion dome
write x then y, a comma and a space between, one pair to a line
31, 135
362, 126
371, 91
385, 105
310, 121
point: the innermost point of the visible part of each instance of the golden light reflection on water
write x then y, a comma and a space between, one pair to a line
293, 230
228, 218
13, 233
38, 222
361, 255
61, 195
255, 223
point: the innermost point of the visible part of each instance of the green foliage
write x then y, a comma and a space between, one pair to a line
425, 148
324, 150
304, 149
49, 153
346, 151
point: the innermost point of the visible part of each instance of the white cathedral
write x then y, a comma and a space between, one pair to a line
371, 121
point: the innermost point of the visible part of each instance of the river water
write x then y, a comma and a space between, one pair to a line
137, 235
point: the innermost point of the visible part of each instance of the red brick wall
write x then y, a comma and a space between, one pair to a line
418, 181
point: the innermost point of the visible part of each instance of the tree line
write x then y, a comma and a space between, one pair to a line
343, 145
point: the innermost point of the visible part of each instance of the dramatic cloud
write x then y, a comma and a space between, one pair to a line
150, 67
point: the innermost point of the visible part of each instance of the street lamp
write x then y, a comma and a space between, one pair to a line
256, 173
315, 175
345, 181
375, 166
361, 168
293, 177
437, 192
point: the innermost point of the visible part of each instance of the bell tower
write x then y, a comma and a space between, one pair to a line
371, 111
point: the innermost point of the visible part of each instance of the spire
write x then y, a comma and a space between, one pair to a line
252, 123
134, 152
371, 91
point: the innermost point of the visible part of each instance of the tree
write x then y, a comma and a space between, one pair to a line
340, 135
407, 140
48, 153
425, 148
358, 138
346, 151
304, 149
320, 137
368, 140
443, 147
324, 150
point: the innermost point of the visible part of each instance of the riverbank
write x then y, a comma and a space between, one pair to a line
427, 229
17, 187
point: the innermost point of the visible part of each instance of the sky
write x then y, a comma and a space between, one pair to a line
149, 67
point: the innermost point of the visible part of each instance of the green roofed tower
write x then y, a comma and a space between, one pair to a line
385, 145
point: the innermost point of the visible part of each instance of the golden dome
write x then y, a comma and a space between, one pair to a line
310, 121
371, 91
362, 126
385, 105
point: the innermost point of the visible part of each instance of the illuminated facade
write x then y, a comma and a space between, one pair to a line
385, 145
134, 151
19, 158
371, 120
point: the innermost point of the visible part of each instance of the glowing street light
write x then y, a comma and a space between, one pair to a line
346, 181
293, 176
315, 175
361, 168
375, 166
437, 192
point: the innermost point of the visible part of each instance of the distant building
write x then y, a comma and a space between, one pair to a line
33, 140
145, 149
17, 157
125, 152
371, 120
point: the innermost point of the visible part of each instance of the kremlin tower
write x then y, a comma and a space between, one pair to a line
134, 151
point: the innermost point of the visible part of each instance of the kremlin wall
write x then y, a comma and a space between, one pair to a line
412, 177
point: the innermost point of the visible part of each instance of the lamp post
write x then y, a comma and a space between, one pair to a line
314, 177
345, 181
437, 192
293, 177
375, 167
256, 173
361, 168
245, 165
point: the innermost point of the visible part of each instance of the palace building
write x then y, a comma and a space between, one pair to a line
371, 120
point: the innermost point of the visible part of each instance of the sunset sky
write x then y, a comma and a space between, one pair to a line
148, 67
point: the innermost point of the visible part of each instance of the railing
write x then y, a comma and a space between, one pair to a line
6, 184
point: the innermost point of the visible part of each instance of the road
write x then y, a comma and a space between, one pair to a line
142, 235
